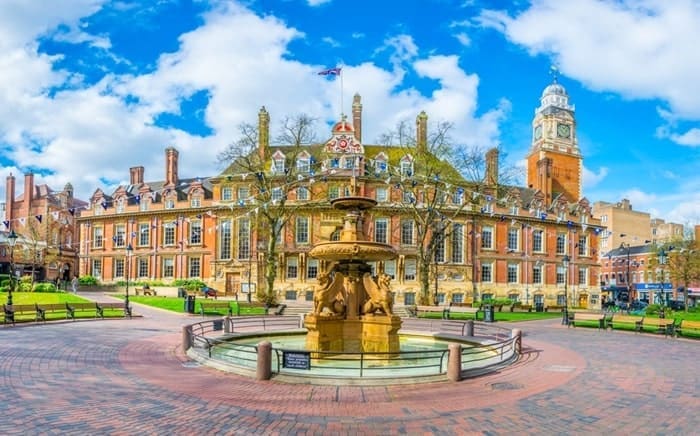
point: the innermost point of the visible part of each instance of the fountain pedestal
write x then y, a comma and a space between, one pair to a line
358, 316
369, 333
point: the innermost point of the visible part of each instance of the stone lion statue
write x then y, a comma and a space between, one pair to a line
328, 293
380, 296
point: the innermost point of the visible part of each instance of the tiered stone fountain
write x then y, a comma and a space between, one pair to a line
352, 310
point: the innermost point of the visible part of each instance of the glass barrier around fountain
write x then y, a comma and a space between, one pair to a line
232, 342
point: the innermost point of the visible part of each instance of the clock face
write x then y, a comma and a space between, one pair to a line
563, 130
538, 132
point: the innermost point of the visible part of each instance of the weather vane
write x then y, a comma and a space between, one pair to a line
554, 71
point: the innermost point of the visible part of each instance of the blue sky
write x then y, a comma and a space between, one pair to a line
93, 87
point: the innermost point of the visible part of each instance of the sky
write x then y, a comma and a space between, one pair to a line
91, 88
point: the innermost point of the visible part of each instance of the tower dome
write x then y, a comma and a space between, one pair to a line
554, 97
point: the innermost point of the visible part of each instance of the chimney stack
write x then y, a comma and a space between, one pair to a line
28, 194
422, 132
492, 167
9, 197
136, 175
263, 133
357, 117
171, 157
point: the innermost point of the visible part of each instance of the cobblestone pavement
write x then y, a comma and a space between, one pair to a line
131, 377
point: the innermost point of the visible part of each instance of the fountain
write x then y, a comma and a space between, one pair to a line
352, 310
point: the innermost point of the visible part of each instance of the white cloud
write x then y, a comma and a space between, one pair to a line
330, 41
591, 178
463, 39
402, 48
691, 137
314, 3
110, 124
641, 50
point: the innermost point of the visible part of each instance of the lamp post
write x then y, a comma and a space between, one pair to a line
565, 312
129, 250
250, 272
12, 240
435, 294
662, 261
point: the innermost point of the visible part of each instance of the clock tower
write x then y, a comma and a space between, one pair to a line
554, 164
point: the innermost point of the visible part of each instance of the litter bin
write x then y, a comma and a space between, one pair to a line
539, 307
488, 313
181, 293
189, 304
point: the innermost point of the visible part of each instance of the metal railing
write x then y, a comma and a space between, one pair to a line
490, 345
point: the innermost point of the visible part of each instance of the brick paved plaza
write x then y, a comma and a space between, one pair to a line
131, 377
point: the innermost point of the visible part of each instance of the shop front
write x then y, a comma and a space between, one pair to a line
654, 293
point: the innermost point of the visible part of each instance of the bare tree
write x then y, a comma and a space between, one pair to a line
439, 189
274, 177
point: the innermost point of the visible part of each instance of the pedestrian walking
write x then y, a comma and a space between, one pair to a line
74, 284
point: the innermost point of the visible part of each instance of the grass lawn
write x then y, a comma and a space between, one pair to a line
20, 298
176, 304
498, 316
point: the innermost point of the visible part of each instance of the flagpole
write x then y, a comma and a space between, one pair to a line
341, 94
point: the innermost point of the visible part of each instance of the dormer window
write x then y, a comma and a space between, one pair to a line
334, 162
120, 205
406, 166
349, 163
196, 201
303, 164
380, 166
170, 203
278, 163
143, 205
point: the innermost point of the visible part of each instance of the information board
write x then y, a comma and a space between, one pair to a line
296, 359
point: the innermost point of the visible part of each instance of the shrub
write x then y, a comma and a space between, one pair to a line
88, 281
190, 284
44, 287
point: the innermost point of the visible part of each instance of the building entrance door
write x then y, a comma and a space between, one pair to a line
233, 284
583, 301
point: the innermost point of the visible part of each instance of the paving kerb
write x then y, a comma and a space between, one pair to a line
131, 377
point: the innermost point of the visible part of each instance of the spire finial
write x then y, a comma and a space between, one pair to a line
554, 71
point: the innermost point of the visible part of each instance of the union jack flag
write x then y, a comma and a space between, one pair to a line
331, 71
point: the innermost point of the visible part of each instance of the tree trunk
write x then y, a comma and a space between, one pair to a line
424, 274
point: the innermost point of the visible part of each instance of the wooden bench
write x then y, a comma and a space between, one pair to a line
420, 310
688, 326
15, 310
462, 309
43, 309
586, 316
81, 307
117, 305
215, 305
661, 325
627, 320
242, 305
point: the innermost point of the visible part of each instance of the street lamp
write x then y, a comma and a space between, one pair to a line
129, 250
565, 312
12, 240
662, 261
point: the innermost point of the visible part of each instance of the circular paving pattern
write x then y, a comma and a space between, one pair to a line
131, 377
